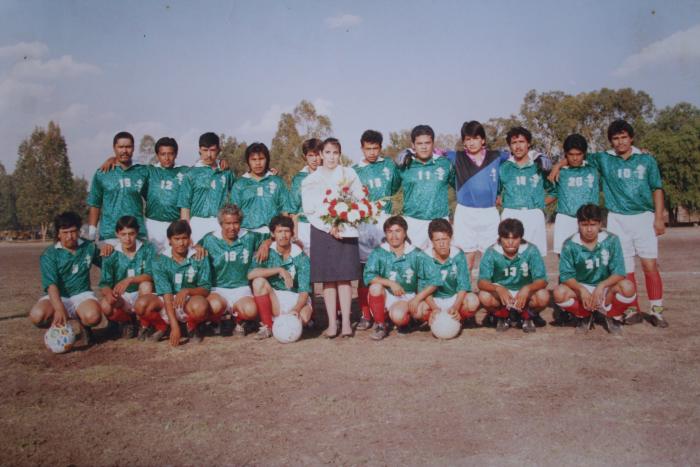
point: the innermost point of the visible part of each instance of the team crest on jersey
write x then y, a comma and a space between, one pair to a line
246, 255
590, 179
392, 276
190, 274
272, 186
386, 172
534, 180
180, 177
292, 271
440, 172
75, 269
640, 171
408, 274
139, 183
525, 269
605, 256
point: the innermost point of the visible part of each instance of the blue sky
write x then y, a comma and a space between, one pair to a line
181, 68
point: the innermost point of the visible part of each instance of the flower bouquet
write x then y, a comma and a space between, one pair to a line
344, 208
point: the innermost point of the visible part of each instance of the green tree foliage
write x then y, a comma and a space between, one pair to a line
233, 151
43, 180
8, 211
674, 139
147, 150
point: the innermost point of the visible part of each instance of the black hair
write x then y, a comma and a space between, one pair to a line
127, 222
575, 141
258, 148
519, 131
395, 220
371, 136
422, 130
281, 221
311, 145
179, 227
511, 228
473, 129
122, 135
333, 141
439, 225
167, 142
209, 139
589, 212
619, 126
66, 220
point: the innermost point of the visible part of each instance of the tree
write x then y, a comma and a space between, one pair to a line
233, 152
43, 178
8, 211
674, 139
294, 127
147, 150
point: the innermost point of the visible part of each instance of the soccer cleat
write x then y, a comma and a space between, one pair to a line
310, 325
403, 330
196, 335
129, 330
656, 317
470, 323
226, 327
489, 321
614, 326
529, 326
156, 336
364, 324
263, 333
583, 325
379, 332
632, 316
239, 330
143, 333
502, 325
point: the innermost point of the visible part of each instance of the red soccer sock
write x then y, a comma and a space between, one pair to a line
153, 320
362, 298
120, 316
501, 313
619, 304
655, 287
376, 306
575, 309
264, 305
216, 319
466, 314
635, 303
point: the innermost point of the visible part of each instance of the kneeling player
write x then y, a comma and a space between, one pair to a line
231, 253
592, 274
126, 274
512, 277
182, 284
454, 295
65, 277
395, 270
282, 283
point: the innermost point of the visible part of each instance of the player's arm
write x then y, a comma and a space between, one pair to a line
124, 284
263, 251
659, 224
93, 218
496, 289
184, 198
185, 214
527, 291
109, 164
59, 311
169, 303
301, 303
582, 292
49, 279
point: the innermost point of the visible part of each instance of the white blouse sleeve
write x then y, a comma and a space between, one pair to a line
312, 192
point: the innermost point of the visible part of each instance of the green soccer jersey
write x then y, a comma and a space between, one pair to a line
411, 270
118, 193
454, 274
260, 200
70, 272
170, 277
591, 267
204, 190
297, 265
382, 179
118, 266
628, 185
522, 186
576, 186
230, 262
513, 274
162, 191
425, 188
295, 206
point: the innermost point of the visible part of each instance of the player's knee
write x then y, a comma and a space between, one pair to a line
90, 316
217, 304
105, 308
140, 305
471, 302
305, 314
38, 316
561, 293
487, 300
540, 299
246, 308
260, 286
399, 314
376, 290
145, 288
626, 288
198, 307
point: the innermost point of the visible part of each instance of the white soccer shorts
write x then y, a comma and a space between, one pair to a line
232, 295
418, 232
179, 312
533, 221
475, 229
203, 225
564, 227
287, 299
391, 298
637, 236
72, 303
158, 233
446, 303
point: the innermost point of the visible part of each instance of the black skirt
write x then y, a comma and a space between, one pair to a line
332, 259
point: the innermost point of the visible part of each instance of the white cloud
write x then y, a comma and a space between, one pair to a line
24, 50
64, 66
21, 96
682, 46
71, 115
267, 124
323, 106
342, 21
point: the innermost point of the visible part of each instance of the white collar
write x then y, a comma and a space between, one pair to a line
407, 248
241, 234
121, 250
583, 164
364, 163
58, 245
602, 235
169, 252
635, 150
527, 164
305, 170
249, 175
454, 251
295, 251
199, 163
497, 246
158, 164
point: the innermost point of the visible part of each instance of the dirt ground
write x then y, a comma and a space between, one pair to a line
550, 398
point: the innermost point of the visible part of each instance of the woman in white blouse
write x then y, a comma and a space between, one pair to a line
335, 259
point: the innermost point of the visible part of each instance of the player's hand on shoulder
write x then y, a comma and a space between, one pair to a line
108, 164
200, 252
106, 249
263, 251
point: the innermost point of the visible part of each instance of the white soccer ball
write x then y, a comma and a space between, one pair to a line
445, 326
287, 328
60, 339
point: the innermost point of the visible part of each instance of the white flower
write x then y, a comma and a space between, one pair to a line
353, 216
341, 207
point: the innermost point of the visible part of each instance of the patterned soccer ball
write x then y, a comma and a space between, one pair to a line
59, 339
287, 328
445, 326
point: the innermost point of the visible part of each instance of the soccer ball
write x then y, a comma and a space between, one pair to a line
60, 339
445, 326
287, 328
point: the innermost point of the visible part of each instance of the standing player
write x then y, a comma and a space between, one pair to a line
65, 277
311, 149
512, 277
425, 179
592, 273
231, 251
282, 283
395, 272
182, 284
118, 192
382, 179
454, 295
126, 274
260, 194
204, 188
522, 187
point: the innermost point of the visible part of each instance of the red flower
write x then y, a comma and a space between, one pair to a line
363, 214
328, 191
332, 212
334, 202
346, 189
354, 206
344, 215
365, 190
325, 200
